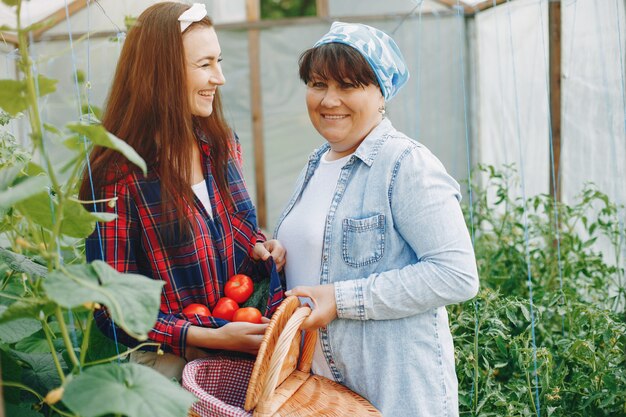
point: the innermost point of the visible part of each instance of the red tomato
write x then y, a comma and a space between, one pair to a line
239, 287
199, 309
225, 308
249, 314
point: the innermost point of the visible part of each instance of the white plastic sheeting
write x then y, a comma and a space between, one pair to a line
222, 11
512, 98
594, 114
481, 78
430, 108
511, 52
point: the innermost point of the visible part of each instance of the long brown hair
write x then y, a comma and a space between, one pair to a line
148, 108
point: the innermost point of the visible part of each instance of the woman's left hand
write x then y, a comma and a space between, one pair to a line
325, 309
273, 248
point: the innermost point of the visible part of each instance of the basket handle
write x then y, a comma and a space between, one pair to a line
308, 347
280, 353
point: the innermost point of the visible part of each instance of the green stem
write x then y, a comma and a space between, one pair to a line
72, 180
530, 392
66, 337
16, 298
86, 333
476, 365
112, 304
36, 394
78, 322
112, 358
35, 123
53, 351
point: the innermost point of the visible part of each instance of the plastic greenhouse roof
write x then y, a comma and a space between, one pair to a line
32, 11
38, 10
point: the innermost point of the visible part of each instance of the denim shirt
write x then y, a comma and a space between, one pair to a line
397, 250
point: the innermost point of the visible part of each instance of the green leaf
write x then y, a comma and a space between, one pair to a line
132, 300
52, 129
35, 343
77, 221
98, 135
21, 410
11, 371
128, 389
46, 85
75, 143
41, 373
16, 330
32, 169
21, 263
100, 346
525, 312
26, 310
8, 176
22, 191
13, 93
10, 2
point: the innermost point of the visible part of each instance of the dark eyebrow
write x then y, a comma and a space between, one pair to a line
209, 58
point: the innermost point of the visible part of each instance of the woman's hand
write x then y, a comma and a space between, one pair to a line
243, 337
236, 336
273, 248
325, 309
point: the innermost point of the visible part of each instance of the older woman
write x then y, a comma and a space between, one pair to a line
375, 234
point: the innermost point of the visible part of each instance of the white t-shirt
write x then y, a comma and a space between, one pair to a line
302, 235
202, 193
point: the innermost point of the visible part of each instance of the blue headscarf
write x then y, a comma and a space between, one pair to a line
378, 48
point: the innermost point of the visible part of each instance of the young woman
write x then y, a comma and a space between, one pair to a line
189, 222
375, 234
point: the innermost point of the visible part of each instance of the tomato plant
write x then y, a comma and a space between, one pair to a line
225, 308
239, 287
195, 308
249, 314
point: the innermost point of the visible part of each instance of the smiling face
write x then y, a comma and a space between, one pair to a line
203, 68
342, 112
342, 95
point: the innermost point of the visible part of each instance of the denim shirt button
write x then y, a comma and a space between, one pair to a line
325, 258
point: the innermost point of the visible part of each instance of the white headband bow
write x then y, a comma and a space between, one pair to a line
194, 14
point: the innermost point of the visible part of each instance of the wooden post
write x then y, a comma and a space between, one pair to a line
253, 12
59, 16
322, 9
11, 38
554, 31
1, 395
50, 21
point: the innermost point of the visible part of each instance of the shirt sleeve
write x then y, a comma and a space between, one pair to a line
118, 243
434, 227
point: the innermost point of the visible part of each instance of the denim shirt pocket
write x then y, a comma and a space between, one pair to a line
363, 240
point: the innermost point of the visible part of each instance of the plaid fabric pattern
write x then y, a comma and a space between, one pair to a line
265, 270
194, 268
220, 382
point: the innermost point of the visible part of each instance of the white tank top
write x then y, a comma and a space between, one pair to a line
202, 193
302, 235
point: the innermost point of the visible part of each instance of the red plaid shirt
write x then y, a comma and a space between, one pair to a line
194, 270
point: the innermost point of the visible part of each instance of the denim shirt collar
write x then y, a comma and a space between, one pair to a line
367, 150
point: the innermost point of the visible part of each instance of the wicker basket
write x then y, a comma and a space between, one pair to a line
280, 383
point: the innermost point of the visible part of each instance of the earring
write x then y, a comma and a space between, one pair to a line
382, 110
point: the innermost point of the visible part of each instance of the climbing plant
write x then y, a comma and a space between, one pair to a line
54, 361
578, 303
